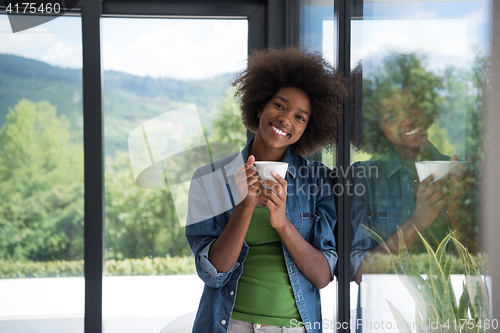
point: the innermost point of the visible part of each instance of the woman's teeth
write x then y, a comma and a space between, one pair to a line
417, 130
278, 131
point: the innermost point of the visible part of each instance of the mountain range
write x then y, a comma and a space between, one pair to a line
128, 100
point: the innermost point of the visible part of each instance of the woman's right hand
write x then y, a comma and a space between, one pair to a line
430, 199
248, 184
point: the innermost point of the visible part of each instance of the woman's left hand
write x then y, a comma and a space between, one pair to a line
460, 181
274, 198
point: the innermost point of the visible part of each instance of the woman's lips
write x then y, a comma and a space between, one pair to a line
416, 130
279, 131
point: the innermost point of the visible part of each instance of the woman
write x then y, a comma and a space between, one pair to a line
264, 259
399, 105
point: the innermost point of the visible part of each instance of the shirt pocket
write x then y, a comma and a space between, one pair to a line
308, 220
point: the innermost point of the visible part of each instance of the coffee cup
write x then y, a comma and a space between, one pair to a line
265, 169
426, 168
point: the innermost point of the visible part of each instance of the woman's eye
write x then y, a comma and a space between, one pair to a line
279, 106
301, 118
389, 117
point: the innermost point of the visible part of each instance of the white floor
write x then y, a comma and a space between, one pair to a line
130, 304
147, 304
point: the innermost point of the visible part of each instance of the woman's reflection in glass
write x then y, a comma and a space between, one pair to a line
399, 105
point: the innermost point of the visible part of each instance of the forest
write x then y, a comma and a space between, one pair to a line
41, 153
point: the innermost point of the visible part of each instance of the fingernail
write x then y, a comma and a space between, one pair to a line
435, 173
274, 173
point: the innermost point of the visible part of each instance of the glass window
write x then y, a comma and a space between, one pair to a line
169, 109
41, 172
419, 73
317, 33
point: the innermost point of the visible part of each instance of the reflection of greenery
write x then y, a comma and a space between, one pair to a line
453, 99
380, 263
399, 73
433, 293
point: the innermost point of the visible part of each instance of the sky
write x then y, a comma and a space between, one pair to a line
204, 48
177, 48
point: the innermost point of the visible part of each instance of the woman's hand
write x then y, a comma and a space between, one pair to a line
274, 197
430, 199
247, 182
460, 181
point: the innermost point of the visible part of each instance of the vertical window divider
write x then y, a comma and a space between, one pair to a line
343, 25
93, 165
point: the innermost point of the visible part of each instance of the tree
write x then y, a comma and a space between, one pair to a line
139, 222
227, 126
41, 197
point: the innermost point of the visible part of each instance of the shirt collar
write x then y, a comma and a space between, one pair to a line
394, 162
288, 157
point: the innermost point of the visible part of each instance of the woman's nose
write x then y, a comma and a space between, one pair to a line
408, 118
285, 118
415, 114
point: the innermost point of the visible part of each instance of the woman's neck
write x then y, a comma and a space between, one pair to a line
409, 154
262, 152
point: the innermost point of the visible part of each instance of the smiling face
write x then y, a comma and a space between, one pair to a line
284, 118
403, 122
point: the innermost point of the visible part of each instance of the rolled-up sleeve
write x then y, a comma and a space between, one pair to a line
202, 229
361, 243
209, 273
323, 236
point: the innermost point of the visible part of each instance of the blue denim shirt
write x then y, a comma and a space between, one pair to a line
387, 201
310, 207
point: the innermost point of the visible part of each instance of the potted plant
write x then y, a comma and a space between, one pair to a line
436, 307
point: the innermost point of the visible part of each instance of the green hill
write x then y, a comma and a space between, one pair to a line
128, 100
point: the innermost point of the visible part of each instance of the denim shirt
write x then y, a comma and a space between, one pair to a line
311, 209
388, 200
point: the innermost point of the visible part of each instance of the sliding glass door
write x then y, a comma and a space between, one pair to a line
418, 81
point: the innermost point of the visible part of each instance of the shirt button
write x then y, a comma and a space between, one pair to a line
231, 293
238, 263
223, 322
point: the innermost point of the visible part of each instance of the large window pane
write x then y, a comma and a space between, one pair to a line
317, 34
41, 172
167, 93
419, 77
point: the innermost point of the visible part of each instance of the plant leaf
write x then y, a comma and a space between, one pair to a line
404, 257
399, 318
447, 313
463, 303
436, 274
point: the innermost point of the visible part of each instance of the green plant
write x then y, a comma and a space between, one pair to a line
436, 306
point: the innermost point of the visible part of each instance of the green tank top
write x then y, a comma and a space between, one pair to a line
264, 294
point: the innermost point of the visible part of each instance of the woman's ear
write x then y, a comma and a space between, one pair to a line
259, 113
